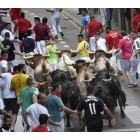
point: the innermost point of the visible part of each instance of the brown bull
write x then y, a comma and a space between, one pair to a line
41, 70
101, 62
84, 76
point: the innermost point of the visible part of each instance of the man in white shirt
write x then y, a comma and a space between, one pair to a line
3, 69
9, 96
31, 116
101, 42
8, 28
2, 112
55, 18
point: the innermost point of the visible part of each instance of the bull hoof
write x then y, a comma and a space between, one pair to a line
109, 125
123, 116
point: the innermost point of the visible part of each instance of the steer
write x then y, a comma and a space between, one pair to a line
66, 56
108, 88
41, 70
101, 62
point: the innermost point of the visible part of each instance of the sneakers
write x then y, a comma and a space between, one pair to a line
56, 37
132, 86
61, 34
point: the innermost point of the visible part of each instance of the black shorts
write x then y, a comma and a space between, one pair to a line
95, 128
11, 104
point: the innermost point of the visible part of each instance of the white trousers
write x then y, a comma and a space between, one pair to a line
93, 44
116, 58
41, 47
87, 59
56, 25
54, 64
57, 129
135, 66
11, 65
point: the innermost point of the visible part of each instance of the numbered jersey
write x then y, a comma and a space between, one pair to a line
92, 107
19, 81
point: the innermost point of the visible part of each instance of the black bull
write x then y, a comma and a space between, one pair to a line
70, 91
109, 91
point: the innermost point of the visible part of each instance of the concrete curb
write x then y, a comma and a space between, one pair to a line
72, 18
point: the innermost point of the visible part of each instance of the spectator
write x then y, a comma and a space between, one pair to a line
2, 112
7, 124
8, 28
2, 47
9, 97
2, 24
28, 95
136, 21
11, 51
15, 14
85, 19
92, 27
3, 13
55, 19
52, 50
55, 107
135, 59
3, 62
28, 43
101, 42
125, 45
93, 107
112, 41
3, 69
22, 25
103, 14
34, 111
43, 121
109, 12
35, 30
43, 33
82, 45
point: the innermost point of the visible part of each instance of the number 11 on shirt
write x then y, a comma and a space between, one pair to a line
92, 108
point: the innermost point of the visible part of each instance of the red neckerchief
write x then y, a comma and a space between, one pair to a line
1, 58
57, 94
14, 72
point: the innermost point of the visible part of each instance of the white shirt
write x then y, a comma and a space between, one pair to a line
3, 64
55, 13
1, 38
3, 34
1, 107
7, 93
35, 110
101, 44
1, 104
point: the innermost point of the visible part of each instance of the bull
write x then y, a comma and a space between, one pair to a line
101, 62
41, 70
108, 88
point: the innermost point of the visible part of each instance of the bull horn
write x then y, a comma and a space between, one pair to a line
46, 74
115, 74
86, 81
46, 55
73, 76
92, 61
65, 70
27, 57
50, 88
68, 64
107, 80
88, 52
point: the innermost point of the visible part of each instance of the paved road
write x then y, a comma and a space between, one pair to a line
71, 30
